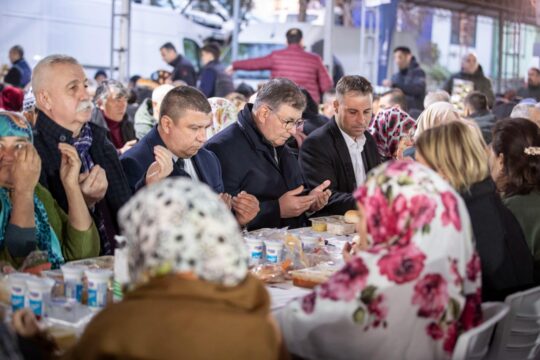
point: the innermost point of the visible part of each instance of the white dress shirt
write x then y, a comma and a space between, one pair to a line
355, 150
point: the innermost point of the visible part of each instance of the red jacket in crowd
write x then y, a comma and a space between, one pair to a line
294, 63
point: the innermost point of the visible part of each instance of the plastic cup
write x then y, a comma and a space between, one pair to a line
17, 285
309, 242
273, 251
255, 248
39, 294
98, 284
73, 281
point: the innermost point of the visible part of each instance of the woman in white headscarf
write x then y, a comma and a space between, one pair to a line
194, 298
411, 292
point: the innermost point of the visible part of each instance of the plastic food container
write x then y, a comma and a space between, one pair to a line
17, 285
39, 294
73, 281
318, 224
273, 251
256, 249
309, 242
98, 284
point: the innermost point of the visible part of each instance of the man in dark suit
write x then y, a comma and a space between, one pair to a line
254, 157
174, 148
342, 151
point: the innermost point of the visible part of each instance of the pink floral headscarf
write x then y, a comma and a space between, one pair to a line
388, 128
412, 293
224, 113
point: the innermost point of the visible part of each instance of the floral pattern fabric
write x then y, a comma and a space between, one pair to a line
411, 293
388, 128
224, 113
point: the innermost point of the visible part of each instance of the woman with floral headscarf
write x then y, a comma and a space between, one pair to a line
411, 292
224, 113
194, 298
388, 128
30, 218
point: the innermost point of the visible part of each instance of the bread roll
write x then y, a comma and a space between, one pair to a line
352, 217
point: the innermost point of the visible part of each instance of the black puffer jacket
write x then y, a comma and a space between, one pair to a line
412, 81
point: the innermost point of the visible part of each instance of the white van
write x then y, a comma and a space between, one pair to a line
82, 29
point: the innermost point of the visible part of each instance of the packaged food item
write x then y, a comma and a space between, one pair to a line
256, 249
318, 224
98, 284
73, 281
121, 268
310, 243
269, 273
338, 226
311, 277
39, 294
273, 251
17, 286
100, 262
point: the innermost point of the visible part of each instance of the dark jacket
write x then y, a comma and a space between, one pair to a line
183, 70
20, 74
248, 164
324, 156
507, 263
49, 134
529, 92
214, 81
480, 81
126, 126
138, 159
412, 81
485, 120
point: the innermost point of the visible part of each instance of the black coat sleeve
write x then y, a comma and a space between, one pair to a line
317, 166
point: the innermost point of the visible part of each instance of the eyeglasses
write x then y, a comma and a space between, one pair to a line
288, 124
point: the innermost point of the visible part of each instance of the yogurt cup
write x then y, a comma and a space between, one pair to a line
273, 251
17, 285
309, 242
255, 248
73, 281
98, 284
39, 294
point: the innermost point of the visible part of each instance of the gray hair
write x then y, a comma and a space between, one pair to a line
279, 91
108, 88
436, 96
46, 62
521, 111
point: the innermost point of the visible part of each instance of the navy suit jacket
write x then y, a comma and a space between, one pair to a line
138, 159
248, 164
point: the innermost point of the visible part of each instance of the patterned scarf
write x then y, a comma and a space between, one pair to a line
12, 124
83, 144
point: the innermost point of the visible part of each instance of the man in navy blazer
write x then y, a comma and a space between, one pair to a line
174, 148
255, 159
343, 151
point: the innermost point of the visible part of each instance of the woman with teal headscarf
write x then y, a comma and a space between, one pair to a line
63, 236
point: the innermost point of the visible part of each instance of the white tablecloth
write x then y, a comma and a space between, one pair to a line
281, 294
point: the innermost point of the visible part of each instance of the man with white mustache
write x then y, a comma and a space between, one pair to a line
64, 110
